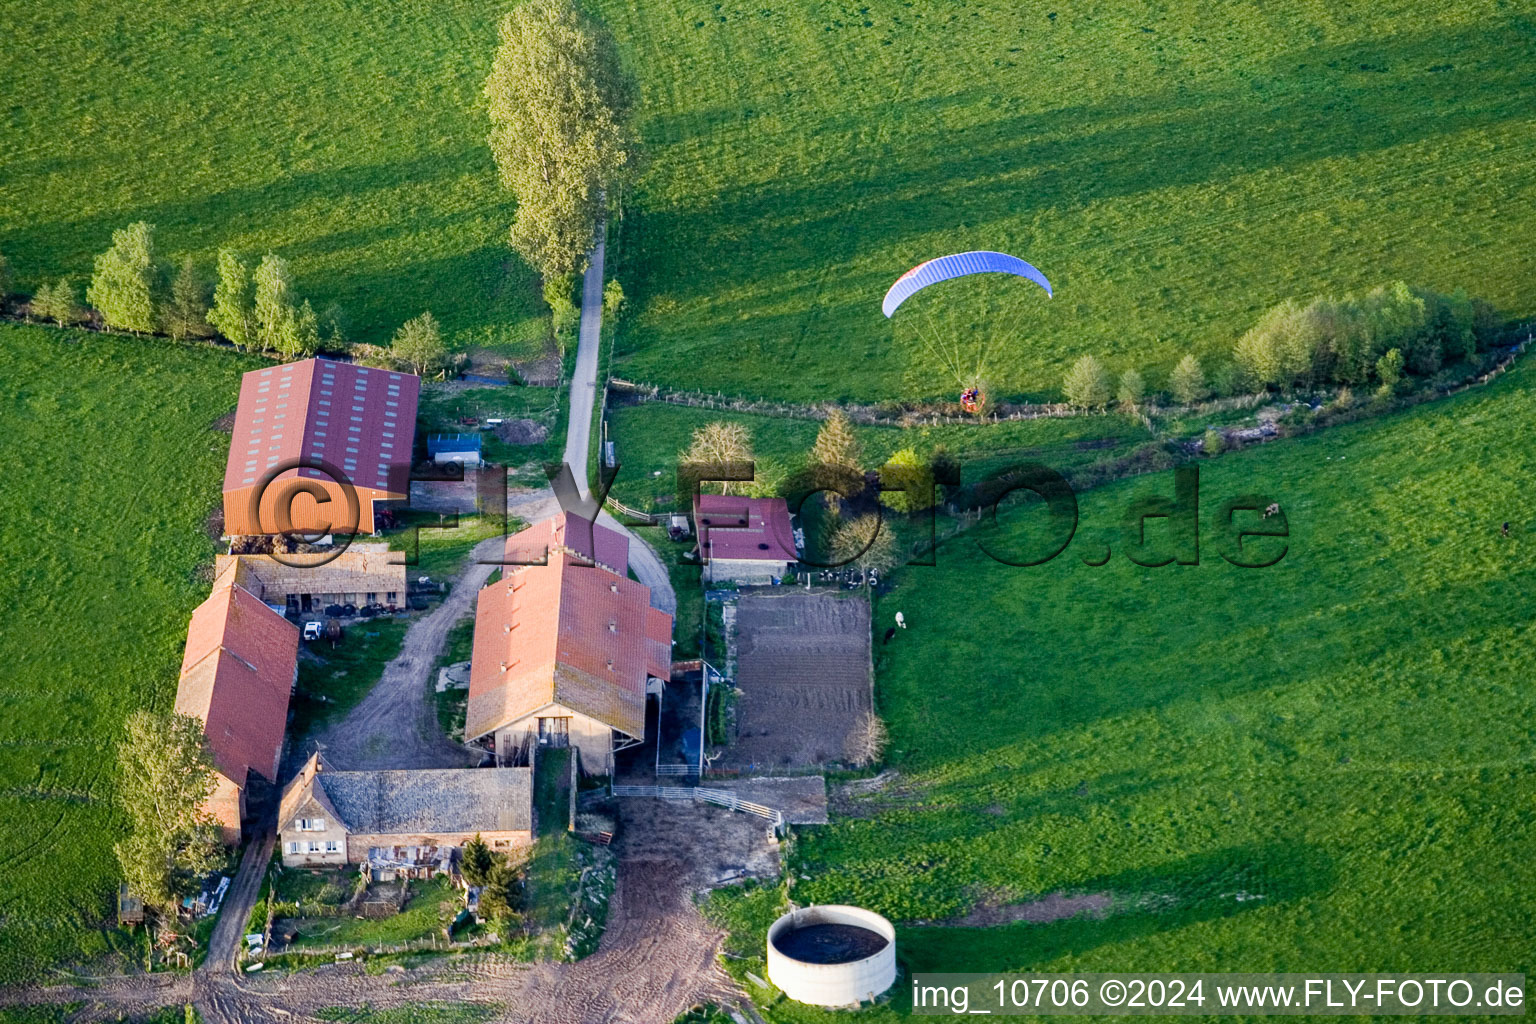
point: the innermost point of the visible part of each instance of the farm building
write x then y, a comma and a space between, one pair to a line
361, 575
745, 540
237, 673
401, 823
461, 448
357, 421
566, 646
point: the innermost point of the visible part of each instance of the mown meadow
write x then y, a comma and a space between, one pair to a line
1174, 168
111, 466
1322, 765
347, 137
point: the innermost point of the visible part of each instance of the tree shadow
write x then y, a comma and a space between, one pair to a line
1203, 887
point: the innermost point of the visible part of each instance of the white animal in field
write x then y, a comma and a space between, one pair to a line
901, 620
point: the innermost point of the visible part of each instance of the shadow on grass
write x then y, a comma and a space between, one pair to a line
1199, 888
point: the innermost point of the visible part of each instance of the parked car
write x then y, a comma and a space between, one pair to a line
312, 630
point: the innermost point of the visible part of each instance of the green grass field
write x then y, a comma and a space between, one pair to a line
347, 137
1326, 764
1174, 168
111, 468
648, 437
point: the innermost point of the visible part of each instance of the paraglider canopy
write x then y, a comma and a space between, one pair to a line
958, 265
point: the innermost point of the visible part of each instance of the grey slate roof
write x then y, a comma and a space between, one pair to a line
431, 800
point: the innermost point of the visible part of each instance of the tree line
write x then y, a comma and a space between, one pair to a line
1385, 337
253, 305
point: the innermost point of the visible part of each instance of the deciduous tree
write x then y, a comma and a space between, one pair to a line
1187, 381
234, 312
715, 447
186, 315
123, 285
419, 344
1132, 390
274, 300
164, 773
613, 299
57, 302
864, 542
1087, 384
867, 740
561, 130
906, 482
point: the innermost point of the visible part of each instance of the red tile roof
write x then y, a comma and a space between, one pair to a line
236, 675
581, 537
359, 419
748, 529
565, 633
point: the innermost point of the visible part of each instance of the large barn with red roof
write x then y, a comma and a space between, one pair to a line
566, 646
237, 674
358, 421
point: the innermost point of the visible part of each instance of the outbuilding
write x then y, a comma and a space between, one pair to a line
744, 540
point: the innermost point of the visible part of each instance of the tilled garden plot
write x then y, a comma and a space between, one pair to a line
802, 664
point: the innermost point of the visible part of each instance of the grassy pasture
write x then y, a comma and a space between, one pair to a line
110, 469
1174, 168
649, 436
348, 137
1324, 765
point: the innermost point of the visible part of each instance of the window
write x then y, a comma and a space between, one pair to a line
311, 824
295, 847
391, 596
315, 847
332, 846
499, 844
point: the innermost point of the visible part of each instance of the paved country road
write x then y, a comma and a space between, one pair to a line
578, 436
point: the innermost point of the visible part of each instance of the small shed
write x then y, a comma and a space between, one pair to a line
461, 448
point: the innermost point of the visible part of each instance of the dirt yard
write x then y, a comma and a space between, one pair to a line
803, 666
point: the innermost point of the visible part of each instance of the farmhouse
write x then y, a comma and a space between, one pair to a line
461, 448
401, 823
363, 574
358, 422
237, 674
566, 646
745, 540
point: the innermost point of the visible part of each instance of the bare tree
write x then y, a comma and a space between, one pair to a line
717, 446
866, 742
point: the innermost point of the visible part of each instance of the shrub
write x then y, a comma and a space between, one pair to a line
1389, 370
1214, 442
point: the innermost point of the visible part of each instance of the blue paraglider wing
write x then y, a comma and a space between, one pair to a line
959, 265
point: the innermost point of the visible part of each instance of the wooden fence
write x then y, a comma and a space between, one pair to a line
699, 794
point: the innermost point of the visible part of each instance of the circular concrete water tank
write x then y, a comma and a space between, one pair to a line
832, 956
